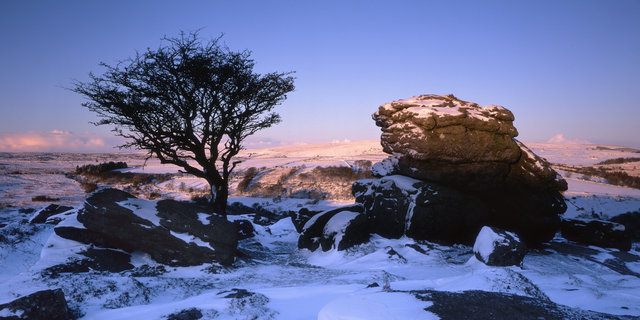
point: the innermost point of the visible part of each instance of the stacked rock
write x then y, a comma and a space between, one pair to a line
469, 171
454, 168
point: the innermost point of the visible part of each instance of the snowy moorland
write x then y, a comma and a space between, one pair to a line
382, 279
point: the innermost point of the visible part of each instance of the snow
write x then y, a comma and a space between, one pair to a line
298, 284
376, 305
403, 182
486, 241
203, 218
142, 208
188, 238
338, 224
8, 313
434, 107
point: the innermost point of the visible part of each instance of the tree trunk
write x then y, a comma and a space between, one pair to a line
219, 196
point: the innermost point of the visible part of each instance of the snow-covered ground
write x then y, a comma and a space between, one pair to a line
276, 280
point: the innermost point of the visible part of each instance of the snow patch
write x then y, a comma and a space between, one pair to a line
378, 305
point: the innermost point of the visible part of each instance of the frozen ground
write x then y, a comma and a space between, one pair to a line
278, 281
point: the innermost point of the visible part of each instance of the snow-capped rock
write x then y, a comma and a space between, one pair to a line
339, 229
457, 143
169, 231
496, 247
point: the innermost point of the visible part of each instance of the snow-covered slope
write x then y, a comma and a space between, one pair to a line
383, 279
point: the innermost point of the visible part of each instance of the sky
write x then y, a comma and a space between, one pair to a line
568, 70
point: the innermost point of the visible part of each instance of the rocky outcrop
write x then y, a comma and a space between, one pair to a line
470, 172
496, 247
449, 141
171, 232
339, 229
398, 205
96, 259
51, 210
597, 232
631, 222
454, 168
301, 217
41, 305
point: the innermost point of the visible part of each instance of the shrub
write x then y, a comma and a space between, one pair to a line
100, 168
618, 161
44, 199
362, 165
249, 174
88, 187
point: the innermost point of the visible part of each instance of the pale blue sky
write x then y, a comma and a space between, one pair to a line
570, 67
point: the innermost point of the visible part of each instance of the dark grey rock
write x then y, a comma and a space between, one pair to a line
111, 225
496, 247
244, 228
481, 305
313, 230
98, 260
41, 305
50, 210
301, 217
399, 205
186, 314
597, 232
345, 230
631, 222
182, 217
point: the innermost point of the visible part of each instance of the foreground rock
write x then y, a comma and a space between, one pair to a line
476, 305
51, 210
41, 305
96, 259
339, 229
171, 232
597, 232
631, 222
495, 247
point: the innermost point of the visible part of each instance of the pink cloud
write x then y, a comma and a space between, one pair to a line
56, 141
560, 139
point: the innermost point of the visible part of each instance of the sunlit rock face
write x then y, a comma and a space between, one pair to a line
459, 143
431, 127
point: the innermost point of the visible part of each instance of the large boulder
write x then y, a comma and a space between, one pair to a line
631, 222
496, 247
475, 172
339, 229
41, 305
172, 233
454, 167
457, 143
430, 127
398, 205
96, 259
599, 233
191, 219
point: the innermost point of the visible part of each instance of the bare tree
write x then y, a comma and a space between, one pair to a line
189, 103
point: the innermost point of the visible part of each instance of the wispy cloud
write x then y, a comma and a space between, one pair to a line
560, 139
56, 141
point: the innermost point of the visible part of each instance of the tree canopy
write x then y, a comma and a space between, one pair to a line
189, 103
